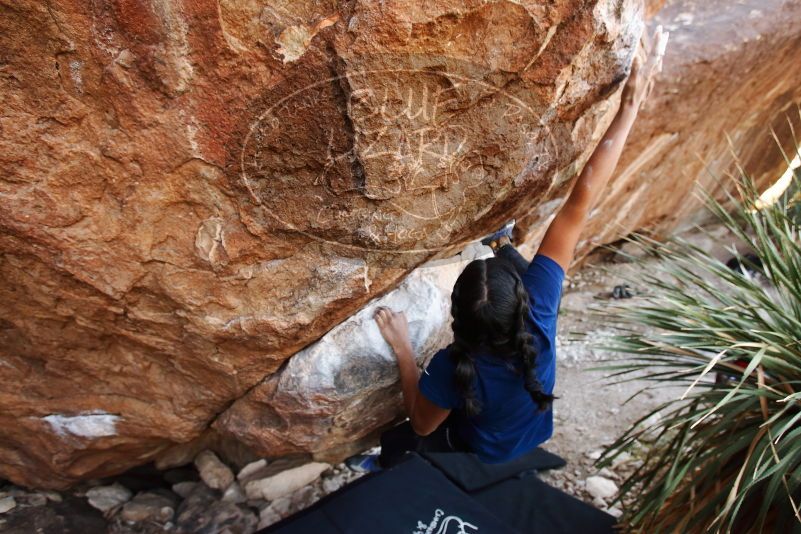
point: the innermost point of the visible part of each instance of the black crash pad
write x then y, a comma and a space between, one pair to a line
471, 474
529, 505
405, 499
416, 497
514, 493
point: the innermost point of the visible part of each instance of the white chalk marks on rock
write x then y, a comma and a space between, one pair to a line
415, 152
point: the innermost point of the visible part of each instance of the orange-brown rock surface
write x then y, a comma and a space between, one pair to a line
341, 387
192, 192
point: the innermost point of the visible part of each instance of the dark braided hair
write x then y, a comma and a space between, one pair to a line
489, 306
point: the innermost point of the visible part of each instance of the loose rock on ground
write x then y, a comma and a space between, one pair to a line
106, 498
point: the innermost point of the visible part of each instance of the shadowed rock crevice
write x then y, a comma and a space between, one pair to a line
343, 97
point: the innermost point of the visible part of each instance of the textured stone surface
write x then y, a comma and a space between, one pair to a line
338, 390
72, 516
203, 511
601, 487
7, 504
213, 472
106, 498
191, 192
184, 489
149, 506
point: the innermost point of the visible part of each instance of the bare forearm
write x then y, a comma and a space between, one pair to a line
559, 242
409, 375
603, 161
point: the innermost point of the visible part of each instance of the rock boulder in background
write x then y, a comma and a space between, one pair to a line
332, 394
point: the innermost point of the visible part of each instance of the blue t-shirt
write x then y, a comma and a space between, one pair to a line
510, 423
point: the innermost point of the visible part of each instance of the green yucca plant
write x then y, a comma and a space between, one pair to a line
726, 455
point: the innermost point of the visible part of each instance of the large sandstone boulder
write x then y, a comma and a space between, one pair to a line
335, 392
192, 192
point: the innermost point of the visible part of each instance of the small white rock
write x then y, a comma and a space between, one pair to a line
104, 498
183, 489
285, 482
234, 494
7, 504
594, 455
303, 498
601, 487
213, 471
251, 468
615, 512
330, 485
267, 517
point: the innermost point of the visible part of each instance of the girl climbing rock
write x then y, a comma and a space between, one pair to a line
490, 392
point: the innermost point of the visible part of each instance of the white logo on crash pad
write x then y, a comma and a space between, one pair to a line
442, 524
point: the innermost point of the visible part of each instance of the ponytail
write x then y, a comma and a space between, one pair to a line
524, 345
490, 306
465, 373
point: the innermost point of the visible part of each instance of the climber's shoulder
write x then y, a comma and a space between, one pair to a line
441, 362
543, 280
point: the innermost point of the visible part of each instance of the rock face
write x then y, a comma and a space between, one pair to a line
335, 392
728, 72
191, 192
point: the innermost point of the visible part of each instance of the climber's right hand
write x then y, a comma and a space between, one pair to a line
395, 329
644, 70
